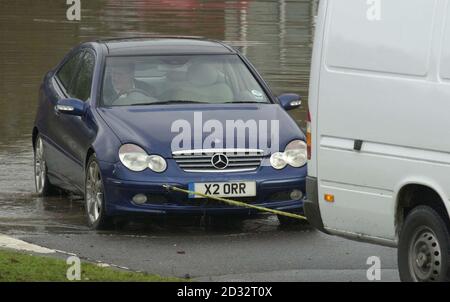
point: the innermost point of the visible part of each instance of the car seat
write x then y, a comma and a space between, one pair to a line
204, 83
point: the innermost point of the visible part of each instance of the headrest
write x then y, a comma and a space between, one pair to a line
202, 74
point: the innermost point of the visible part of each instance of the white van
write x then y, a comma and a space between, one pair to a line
379, 129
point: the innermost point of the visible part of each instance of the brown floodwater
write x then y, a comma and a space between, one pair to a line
34, 35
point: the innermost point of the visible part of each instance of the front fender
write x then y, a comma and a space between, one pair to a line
106, 143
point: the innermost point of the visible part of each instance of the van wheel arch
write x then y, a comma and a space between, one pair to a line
413, 195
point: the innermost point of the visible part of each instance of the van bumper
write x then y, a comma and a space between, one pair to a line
311, 204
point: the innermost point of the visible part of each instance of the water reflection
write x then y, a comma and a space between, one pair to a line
34, 35
275, 35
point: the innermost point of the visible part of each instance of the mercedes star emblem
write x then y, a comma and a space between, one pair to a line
219, 161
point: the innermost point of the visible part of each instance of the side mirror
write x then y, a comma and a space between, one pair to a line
290, 101
71, 107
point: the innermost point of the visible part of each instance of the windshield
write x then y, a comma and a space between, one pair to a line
147, 80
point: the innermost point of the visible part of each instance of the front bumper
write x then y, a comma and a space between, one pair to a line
273, 188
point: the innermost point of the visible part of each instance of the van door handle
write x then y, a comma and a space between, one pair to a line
357, 145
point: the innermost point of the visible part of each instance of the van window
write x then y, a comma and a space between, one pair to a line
445, 60
393, 38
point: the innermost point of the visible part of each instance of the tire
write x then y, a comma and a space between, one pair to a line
423, 249
94, 197
42, 184
292, 222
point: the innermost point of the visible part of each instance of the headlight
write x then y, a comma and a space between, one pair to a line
277, 161
157, 163
294, 155
133, 157
136, 159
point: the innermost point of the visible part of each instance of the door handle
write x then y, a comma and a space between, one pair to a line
357, 145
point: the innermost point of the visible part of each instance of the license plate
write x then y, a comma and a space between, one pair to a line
224, 189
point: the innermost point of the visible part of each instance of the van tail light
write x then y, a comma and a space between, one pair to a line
308, 135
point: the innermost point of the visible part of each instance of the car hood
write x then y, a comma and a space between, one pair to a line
155, 127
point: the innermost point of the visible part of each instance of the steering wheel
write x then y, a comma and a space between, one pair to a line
135, 91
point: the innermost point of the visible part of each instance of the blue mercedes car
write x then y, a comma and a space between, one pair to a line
119, 120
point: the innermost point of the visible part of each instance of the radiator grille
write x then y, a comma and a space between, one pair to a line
214, 160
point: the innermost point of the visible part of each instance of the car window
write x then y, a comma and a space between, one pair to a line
148, 80
81, 88
67, 71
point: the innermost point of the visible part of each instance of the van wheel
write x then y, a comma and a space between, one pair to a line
94, 197
423, 250
292, 222
43, 185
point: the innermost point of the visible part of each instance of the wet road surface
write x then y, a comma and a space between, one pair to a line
251, 250
258, 251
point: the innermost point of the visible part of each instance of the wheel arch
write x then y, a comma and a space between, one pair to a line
89, 152
415, 193
34, 136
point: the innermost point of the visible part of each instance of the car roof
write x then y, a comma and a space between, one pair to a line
164, 45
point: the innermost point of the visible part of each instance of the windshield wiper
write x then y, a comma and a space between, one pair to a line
245, 102
193, 102
168, 102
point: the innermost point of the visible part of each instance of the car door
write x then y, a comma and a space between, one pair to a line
73, 134
58, 86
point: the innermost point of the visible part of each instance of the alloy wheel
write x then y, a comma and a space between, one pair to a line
94, 192
39, 166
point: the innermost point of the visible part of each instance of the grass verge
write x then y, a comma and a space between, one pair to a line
17, 266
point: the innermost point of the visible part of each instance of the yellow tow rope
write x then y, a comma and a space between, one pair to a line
237, 203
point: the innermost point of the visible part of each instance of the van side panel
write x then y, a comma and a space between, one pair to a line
445, 53
380, 85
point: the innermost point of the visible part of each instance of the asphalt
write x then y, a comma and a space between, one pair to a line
251, 250
255, 250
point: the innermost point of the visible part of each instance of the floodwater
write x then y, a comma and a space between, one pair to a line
35, 34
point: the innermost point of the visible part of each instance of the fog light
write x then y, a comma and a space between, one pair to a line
139, 199
296, 194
